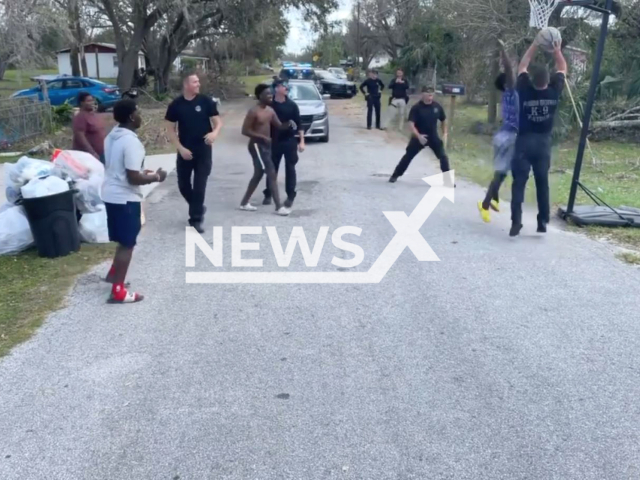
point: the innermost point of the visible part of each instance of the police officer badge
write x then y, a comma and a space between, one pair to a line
198, 108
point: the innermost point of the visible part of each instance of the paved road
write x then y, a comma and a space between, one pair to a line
509, 359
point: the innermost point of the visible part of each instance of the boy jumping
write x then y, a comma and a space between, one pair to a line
504, 142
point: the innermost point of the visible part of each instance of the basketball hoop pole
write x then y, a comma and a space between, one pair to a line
589, 106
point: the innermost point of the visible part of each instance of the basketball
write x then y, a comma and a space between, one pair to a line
548, 36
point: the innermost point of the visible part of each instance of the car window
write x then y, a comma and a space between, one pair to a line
88, 84
57, 85
69, 84
303, 92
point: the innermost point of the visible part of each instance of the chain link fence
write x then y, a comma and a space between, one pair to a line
23, 118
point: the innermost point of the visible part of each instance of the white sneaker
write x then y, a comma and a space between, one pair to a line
248, 207
283, 211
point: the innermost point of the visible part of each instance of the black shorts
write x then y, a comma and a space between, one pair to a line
123, 222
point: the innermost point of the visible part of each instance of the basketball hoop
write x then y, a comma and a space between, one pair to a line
541, 11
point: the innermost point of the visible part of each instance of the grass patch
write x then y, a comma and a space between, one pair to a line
252, 81
629, 257
623, 235
32, 287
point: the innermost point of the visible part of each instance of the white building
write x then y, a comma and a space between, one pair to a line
188, 56
102, 60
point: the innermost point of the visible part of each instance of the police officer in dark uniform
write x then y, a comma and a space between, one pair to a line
374, 88
423, 118
284, 142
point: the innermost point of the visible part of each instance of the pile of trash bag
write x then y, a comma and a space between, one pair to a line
33, 178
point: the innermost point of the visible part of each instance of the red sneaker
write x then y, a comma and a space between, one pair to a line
119, 294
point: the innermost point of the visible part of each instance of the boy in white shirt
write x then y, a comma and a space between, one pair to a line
124, 159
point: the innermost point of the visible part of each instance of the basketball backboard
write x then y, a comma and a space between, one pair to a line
595, 5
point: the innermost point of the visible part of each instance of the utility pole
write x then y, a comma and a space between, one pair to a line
357, 62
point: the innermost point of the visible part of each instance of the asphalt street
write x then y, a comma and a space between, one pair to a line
507, 359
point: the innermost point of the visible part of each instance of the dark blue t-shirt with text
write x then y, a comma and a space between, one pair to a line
538, 107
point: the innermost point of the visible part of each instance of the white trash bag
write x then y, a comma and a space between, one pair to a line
93, 227
43, 187
12, 189
18, 174
88, 198
15, 232
78, 164
88, 174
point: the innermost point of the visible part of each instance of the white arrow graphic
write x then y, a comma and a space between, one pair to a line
407, 235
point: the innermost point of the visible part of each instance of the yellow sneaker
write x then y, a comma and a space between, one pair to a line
495, 205
486, 216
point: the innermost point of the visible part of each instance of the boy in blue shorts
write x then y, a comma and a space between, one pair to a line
504, 142
123, 176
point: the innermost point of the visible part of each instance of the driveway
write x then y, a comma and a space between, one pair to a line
508, 359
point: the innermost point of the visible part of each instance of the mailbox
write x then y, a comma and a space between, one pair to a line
454, 89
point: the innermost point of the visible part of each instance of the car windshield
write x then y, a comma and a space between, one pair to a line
325, 75
298, 92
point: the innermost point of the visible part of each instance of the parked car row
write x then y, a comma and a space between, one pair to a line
326, 81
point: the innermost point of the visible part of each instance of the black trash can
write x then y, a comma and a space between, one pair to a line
53, 223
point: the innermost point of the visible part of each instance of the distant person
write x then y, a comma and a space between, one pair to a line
504, 142
374, 88
198, 124
124, 159
398, 100
539, 96
88, 127
257, 126
284, 142
424, 117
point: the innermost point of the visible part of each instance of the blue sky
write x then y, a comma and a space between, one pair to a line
300, 36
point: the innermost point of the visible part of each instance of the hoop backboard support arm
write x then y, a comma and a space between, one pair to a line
575, 182
588, 4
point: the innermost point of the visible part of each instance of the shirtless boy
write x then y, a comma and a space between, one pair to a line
257, 126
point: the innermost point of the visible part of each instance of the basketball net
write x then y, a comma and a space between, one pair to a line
541, 11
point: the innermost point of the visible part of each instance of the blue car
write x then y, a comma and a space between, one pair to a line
66, 88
